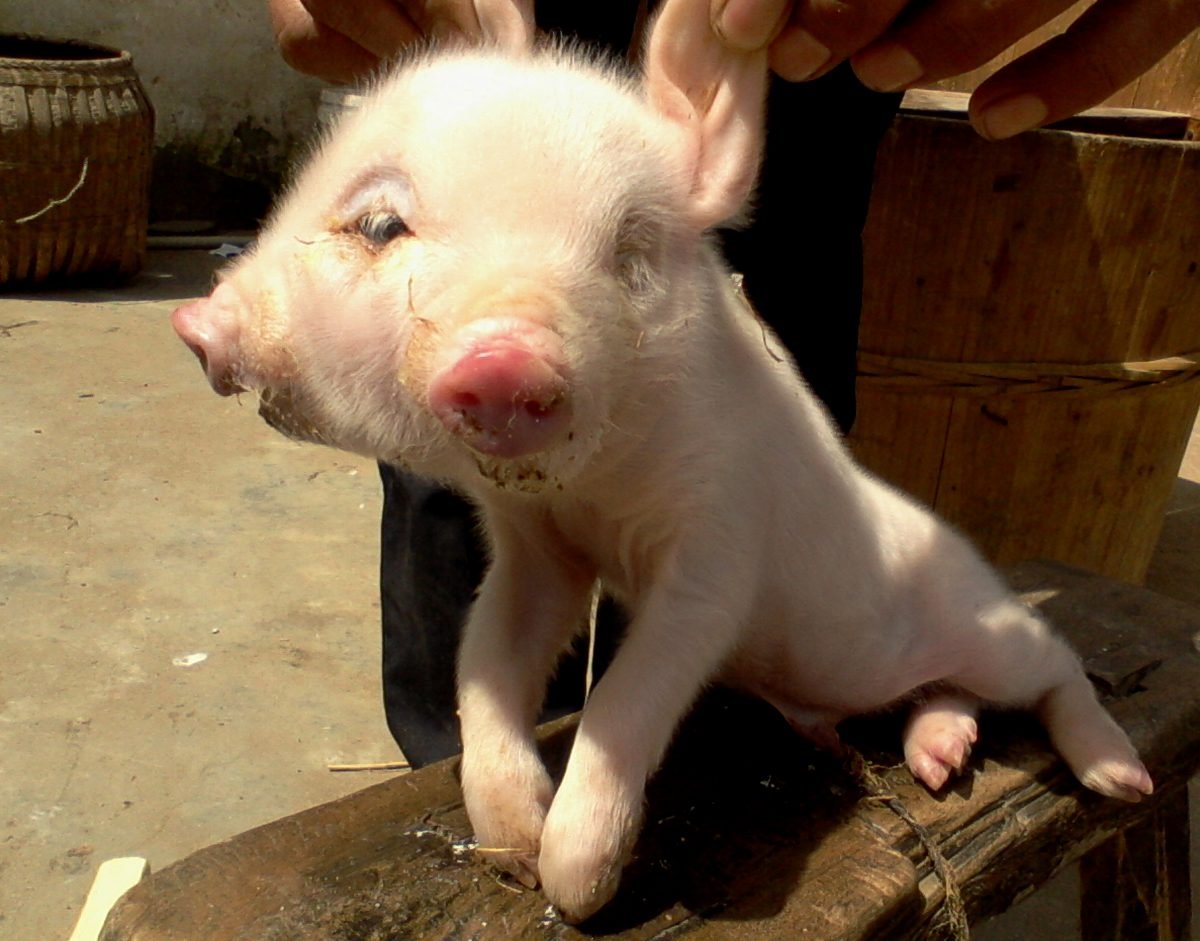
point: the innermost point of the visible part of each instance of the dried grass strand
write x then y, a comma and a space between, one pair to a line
953, 908
57, 202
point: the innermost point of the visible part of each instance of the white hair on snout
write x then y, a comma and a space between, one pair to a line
340, 387
366, 406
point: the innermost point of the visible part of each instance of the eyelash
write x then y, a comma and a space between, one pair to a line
380, 226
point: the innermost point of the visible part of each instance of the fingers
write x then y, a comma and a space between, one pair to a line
510, 23
748, 25
807, 37
893, 44
948, 37
341, 42
1109, 46
439, 19
321, 38
324, 54
820, 34
379, 26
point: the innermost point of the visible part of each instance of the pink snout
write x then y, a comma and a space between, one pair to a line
503, 398
208, 327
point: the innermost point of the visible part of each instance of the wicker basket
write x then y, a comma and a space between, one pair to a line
76, 138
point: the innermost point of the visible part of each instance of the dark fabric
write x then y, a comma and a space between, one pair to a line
802, 253
802, 261
431, 562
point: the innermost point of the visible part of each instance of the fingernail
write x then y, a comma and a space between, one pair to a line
1011, 116
718, 16
737, 29
887, 67
798, 55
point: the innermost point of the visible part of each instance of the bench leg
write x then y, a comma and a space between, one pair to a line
1136, 886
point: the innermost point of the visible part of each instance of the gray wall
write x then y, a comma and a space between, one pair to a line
229, 113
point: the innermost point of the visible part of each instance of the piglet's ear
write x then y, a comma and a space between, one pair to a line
716, 97
508, 24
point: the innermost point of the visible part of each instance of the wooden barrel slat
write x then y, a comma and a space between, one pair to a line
1031, 335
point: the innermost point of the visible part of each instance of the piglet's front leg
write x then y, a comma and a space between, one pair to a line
529, 605
671, 649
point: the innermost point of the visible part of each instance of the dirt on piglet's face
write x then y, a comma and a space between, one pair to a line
279, 408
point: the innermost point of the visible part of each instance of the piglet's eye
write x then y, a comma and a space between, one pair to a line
380, 227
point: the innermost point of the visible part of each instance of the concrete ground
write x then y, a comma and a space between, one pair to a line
188, 604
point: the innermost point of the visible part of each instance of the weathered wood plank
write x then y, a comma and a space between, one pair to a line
751, 833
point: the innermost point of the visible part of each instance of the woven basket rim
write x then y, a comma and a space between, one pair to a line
101, 59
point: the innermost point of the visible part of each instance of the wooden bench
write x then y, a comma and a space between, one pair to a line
752, 833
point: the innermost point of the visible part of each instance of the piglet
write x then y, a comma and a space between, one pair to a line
497, 273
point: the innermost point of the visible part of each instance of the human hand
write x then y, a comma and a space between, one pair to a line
893, 44
344, 40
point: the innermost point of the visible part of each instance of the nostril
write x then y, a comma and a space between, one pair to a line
187, 321
466, 401
539, 410
200, 354
209, 328
504, 400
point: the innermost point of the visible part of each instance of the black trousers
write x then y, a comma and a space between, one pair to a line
802, 262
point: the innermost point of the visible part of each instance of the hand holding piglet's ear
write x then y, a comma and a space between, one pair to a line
893, 44
342, 41
716, 96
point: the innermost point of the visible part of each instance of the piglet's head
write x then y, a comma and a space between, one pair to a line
485, 268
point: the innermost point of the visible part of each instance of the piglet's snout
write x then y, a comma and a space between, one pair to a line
208, 327
507, 395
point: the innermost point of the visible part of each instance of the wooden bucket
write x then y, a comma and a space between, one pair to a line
1030, 346
76, 136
